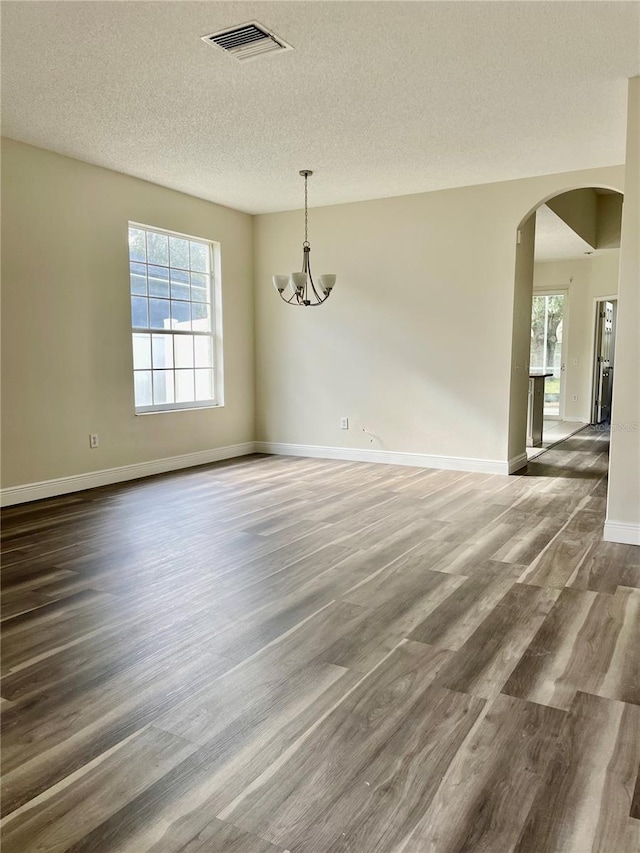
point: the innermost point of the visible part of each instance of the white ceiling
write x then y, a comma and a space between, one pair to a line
555, 241
378, 98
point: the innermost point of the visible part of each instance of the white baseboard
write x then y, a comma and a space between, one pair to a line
387, 457
575, 420
79, 482
618, 531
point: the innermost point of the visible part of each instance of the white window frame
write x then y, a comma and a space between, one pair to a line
215, 333
563, 290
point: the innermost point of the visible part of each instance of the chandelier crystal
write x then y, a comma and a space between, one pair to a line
303, 289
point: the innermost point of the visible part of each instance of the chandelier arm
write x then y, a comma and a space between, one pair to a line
315, 304
313, 287
301, 304
307, 269
315, 293
293, 300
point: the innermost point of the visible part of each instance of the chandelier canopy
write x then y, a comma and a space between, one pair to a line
304, 291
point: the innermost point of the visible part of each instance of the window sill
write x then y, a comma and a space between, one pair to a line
171, 410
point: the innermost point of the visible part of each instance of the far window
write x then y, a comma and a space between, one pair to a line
547, 323
172, 311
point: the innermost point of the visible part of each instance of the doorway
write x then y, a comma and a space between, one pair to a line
603, 353
548, 348
567, 250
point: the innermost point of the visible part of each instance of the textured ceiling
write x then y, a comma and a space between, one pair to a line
378, 98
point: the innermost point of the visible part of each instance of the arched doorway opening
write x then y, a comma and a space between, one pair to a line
566, 274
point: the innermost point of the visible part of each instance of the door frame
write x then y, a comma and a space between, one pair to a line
594, 333
560, 291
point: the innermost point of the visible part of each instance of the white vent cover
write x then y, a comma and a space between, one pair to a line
248, 41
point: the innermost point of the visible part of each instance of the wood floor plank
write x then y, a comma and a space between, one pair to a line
391, 616
451, 623
292, 633
234, 755
375, 809
106, 652
310, 777
45, 741
215, 710
557, 563
608, 565
534, 534
583, 806
589, 642
243, 595
343, 578
485, 796
30, 634
274, 654
468, 557
215, 837
14, 605
488, 657
69, 811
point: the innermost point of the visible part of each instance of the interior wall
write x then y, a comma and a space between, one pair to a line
523, 292
66, 334
579, 209
585, 279
623, 501
415, 342
609, 221
414, 345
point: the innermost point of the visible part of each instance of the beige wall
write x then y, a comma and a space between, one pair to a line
595, 217
579, 209
585, 279
609, 221
415, 343
523, 291
66, 346
623, 508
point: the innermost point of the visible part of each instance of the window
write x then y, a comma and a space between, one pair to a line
547, 322
172, 319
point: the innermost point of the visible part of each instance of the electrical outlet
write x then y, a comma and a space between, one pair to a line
93, 440
344, 423
574, 398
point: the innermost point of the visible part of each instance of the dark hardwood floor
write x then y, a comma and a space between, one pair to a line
276, 654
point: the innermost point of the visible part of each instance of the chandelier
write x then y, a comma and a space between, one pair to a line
304, 290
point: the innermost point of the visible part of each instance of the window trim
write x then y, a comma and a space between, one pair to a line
215, 334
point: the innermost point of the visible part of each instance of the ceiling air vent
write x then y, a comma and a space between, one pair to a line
248, 41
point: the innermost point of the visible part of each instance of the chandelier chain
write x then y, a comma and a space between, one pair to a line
306, 211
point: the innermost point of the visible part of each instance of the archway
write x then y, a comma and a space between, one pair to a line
592, 214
